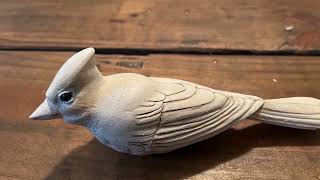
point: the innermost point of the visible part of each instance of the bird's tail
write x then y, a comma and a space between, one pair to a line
296, 112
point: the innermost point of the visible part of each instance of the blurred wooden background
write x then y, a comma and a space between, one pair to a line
266, 48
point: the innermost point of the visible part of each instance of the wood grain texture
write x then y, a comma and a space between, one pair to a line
205, 25
54, 150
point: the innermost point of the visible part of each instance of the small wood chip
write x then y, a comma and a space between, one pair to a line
187, 11
289, 28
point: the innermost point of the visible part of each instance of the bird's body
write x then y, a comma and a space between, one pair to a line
147, 115
141, 115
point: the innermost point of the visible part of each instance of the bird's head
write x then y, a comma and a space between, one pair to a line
71, 95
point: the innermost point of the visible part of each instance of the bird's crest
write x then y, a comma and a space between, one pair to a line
80, 67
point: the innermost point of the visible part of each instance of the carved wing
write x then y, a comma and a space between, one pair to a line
181, 113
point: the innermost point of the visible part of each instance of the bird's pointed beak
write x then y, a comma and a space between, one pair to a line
45, 112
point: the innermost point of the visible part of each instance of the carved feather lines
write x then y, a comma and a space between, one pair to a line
179, 114
148, 117
188, 92
175, 135
188, 131
147, 120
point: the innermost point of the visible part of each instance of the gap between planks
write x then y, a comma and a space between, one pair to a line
178, 51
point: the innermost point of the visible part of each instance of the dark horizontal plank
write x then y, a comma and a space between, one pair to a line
182, 25
54, 150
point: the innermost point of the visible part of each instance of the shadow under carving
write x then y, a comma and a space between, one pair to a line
95, 161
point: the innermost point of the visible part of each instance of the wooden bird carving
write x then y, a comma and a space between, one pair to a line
141, 115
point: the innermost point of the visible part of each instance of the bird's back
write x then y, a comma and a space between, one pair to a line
181, 113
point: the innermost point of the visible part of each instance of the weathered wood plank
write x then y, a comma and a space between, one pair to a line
53, 150
203, 25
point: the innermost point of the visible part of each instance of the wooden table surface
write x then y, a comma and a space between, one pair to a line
234, 45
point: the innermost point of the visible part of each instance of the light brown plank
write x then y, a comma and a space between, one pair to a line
200, 25
54, 150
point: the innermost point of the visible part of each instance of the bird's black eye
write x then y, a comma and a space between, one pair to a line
66, 96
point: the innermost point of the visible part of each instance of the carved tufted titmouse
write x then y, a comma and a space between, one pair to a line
141, 115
